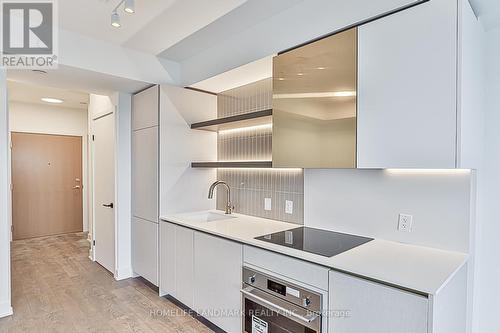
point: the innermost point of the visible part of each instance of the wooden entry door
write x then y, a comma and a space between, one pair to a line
47, 185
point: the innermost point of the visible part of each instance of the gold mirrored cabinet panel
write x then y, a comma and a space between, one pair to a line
314, 104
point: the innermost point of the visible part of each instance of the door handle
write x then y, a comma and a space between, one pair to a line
77, 187
108, 206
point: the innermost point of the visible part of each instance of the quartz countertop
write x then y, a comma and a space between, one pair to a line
422, 269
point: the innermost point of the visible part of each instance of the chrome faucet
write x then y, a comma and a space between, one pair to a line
229, 206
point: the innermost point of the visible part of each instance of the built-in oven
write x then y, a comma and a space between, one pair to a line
272, 305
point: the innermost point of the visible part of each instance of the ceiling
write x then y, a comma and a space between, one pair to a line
155, 25
76, 79
488, 12
240, 76
28, 93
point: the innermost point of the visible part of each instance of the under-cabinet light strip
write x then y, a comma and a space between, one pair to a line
428, 171
246, 129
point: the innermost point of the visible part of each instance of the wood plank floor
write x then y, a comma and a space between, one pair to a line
56, 288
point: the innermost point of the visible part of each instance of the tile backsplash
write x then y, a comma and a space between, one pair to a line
250, 187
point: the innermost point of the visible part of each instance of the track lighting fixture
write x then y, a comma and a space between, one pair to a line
115, 20
128, 7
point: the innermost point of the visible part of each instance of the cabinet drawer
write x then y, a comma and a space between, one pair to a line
296, 269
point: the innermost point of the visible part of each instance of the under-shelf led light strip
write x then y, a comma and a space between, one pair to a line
246, 129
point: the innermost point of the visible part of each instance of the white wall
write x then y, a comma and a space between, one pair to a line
46, 119
123, 183
486, 317
5, 293
368, 202
180, 145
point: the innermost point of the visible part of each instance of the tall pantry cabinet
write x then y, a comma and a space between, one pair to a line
145, 180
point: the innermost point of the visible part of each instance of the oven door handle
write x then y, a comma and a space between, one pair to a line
277, 308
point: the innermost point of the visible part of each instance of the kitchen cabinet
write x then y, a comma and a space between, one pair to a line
203, 272
145, 174
382, 95
184, 266
407, 88
145, 178
145, 243
177, 262
167, 249
217, 280
145, 106
314, 104
358, 305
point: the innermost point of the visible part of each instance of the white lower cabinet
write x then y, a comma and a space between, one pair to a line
145, 249
177, 262
167, 259
203, 272
374, 307
184, 265
218, 273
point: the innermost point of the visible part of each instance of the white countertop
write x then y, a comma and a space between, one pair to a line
418, 268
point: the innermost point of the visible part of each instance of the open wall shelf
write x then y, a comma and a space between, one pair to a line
236, 164
238, 121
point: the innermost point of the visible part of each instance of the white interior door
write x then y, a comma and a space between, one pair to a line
104, 191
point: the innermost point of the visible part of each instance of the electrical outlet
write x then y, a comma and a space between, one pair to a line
405, 223
289, 207
268, 204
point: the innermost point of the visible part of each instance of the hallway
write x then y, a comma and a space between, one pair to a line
56, 288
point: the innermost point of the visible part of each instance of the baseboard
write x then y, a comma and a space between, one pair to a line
5, 309
124, 273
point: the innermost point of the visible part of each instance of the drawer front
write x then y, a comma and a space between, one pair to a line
296, 269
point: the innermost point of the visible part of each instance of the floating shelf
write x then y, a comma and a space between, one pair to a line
249, 164
238, 121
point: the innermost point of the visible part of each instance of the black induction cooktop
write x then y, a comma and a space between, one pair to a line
317, 241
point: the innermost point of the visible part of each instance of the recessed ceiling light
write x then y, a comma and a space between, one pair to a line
115, 20
300, 74
52, 100
129, 6
320, 68
281, 79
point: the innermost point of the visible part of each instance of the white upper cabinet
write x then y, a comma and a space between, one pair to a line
145, 105
407, 88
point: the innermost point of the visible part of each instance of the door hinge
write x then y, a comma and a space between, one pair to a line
11, 187
93, 242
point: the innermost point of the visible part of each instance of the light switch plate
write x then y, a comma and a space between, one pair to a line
268, 204
405, 223
289, 207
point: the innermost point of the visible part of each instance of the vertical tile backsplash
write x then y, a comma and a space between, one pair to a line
251, 186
